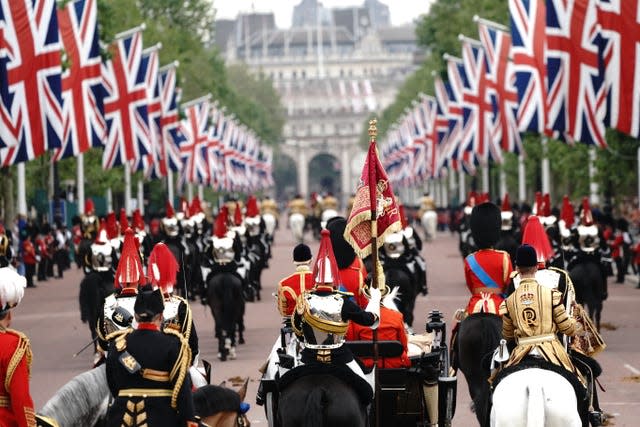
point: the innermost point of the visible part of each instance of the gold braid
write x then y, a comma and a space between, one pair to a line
181, 367
23, 349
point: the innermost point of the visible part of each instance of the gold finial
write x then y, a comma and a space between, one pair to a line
373, 130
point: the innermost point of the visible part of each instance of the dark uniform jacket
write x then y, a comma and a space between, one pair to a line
147, 373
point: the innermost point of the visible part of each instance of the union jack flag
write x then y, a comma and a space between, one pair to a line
125, 105
458, 84
429, 109
528, 23
172, 136
477, 100
195, 128
214, 149
32, 100
8, 131
82, 90
496, 44
447, 123
576, 98
150, 163
620, 26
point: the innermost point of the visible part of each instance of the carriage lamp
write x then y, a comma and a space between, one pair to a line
436, 324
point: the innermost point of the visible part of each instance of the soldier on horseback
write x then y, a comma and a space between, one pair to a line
16, 405
321, 319
146, 371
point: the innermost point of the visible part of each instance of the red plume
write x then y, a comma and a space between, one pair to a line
169, 208
124, 222
506, 205
567, 214
101, 237
138, 221
403, 217
325, 269
162, 268
129, 266
546, 210
537, 205
535, 236
196, 206
89, 207
472, 200
586, 218
112, 226
237, 215
252, 207
220, 228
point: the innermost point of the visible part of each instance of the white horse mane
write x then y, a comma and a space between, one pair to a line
389, 301
82, 401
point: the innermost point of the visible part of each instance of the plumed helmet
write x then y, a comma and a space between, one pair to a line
526, 256
567, 213
220, 228
325, 269
535, 235
302, 254
343, 251
129, 272
252, 207
537, 204
101, 252
11, 289
149, 303
124, 222
485, 223
196, 206
162, 267
170, 222
237, 215
112, 226
4, 246
586, 218
506, 214
169, 212
89, 207
137, 220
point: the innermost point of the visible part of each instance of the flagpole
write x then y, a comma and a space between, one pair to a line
127, 188
462, 191
545, 165
503, 182
170, 194
373, 133
522, 190
201, 192
80, 182
593, 185
140, 196
129, 32
22, 190
485, 177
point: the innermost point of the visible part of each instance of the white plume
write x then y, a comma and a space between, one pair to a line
389, 300
11, 288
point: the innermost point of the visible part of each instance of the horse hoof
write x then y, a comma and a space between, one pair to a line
232, 353
241, 340
222, 357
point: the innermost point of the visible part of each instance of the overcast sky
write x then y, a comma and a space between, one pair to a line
402, 11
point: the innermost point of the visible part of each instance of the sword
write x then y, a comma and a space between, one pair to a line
86, 346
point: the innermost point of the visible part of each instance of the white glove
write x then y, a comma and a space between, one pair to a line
374, 305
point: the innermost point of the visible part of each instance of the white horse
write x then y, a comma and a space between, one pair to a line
269, 223
534, 397
296, 224
429, 221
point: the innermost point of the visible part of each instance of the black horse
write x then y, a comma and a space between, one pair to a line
318, 400
224, 296
94, 288
397, 275
478, 336
590, 286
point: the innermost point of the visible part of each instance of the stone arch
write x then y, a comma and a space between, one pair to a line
285, 175
324, 174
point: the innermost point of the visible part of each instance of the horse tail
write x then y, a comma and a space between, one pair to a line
315, 405
535, 405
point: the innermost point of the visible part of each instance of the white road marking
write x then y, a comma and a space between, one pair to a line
632, 369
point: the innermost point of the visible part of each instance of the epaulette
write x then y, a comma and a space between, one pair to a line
23, 349
513, 274
120, 338
181, 367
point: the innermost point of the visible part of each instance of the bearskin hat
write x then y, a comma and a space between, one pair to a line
344, 253
485, 225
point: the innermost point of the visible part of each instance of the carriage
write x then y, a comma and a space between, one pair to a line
399, 397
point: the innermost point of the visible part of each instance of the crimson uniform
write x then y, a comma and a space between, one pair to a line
352, 281
16, 406
293, 286
391, 328
487, 274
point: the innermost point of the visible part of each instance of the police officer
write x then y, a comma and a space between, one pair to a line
16, 405
147, 371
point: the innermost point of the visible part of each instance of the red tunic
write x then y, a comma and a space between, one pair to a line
352, 280
28, 252
291, 287
497, 265
391, 327
16, 406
